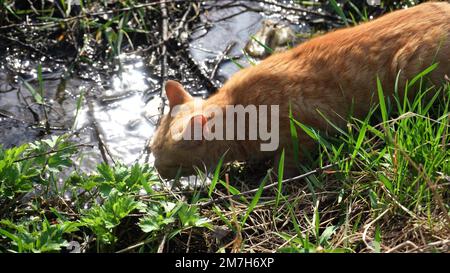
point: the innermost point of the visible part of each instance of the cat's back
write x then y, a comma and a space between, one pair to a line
341, 68
407, 40
345, 63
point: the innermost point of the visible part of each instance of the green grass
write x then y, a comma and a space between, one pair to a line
381, 184
398, 166
389, 185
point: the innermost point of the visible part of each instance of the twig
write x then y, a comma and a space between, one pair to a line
366, 228
182, 23
33, 113
318, 170
220, 59
135, 246
31, 48
407, 243
104, 150
11, 116
163, 75
54, 151
166, 36
184, 55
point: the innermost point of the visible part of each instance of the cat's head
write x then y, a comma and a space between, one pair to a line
174, 146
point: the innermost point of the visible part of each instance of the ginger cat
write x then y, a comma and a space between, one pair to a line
334, 73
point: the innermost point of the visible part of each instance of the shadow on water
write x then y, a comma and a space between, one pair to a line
121, 98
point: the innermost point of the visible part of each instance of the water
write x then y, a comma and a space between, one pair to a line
208, 44
121, 102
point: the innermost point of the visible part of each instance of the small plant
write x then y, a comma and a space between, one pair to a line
37, 235
101, 202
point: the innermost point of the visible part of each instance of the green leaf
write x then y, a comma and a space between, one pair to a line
233, 190
377, 240
267, 48
373, 199
102, 219
280, 178
294, 136
339, 11
326, 235
381, 99
386, 182
106, 172
37, 97
422, 74
154, 222
190, 217
361, 136
255, 199
216, 175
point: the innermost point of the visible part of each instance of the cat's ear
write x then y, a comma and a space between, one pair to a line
176, 94
196, 128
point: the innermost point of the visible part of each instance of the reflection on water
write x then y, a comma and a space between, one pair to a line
114, 109
120, 113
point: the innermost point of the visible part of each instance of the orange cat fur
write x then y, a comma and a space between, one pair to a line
329, 73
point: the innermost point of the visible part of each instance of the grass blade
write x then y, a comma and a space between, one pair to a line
267, 48
294, 136
423, 74
216, 175
382, 101
339, 11
37, 97
255, 199
280, 178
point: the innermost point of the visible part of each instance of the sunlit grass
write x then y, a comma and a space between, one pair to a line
387, 188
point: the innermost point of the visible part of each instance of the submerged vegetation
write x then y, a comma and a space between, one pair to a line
380, 185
